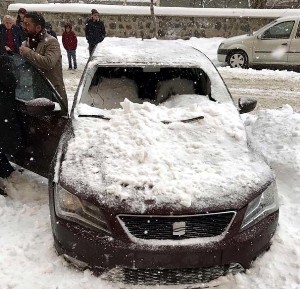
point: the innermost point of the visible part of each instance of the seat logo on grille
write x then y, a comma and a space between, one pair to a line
179, 228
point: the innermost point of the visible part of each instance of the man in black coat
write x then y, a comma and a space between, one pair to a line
94, 31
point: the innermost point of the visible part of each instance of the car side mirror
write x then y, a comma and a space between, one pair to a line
246, 104
39, 106
259, 36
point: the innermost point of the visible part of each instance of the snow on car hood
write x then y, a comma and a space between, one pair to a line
144, 153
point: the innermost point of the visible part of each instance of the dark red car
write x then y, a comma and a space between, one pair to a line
153, 180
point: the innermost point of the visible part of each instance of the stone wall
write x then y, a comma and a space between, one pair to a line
3, 7
168, 27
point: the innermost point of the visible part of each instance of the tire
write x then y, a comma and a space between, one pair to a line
237, 58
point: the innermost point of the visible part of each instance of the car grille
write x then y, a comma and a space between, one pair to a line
136, 276
177, 227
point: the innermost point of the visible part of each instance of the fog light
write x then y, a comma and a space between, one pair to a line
77, 263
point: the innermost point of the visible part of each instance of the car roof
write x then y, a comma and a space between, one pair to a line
288, 18
147, 52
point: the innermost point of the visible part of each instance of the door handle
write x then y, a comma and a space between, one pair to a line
284, 44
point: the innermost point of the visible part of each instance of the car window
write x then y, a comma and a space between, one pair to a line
279, 31
31, 84
111, 85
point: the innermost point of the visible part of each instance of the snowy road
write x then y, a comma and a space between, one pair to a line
273, 89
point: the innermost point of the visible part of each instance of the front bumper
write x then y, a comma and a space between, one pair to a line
222, 55
104, 253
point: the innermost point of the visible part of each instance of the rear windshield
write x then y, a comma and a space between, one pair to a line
109, 86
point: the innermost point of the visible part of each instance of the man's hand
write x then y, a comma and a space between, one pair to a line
24, 50
7, 48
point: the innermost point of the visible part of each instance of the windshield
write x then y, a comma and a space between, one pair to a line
265, 27
108, 87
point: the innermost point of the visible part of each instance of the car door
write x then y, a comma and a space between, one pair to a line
294, 51
271, 46
38, 117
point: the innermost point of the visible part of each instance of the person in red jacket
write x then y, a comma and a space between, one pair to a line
69, 40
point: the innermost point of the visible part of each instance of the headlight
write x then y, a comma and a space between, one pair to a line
221, 45
70, 207
261, 206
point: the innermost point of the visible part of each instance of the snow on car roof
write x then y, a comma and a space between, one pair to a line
148, 52
287, 18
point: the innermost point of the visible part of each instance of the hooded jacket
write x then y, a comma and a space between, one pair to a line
69, 39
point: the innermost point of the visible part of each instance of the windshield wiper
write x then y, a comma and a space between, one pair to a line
95, 116
183, 120
163, 121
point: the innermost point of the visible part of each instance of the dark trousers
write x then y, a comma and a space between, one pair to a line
72, 56
91, 48
5, 167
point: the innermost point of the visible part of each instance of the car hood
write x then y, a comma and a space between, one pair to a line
236, 39
144, 156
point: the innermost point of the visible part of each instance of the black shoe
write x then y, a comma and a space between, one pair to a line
21, 171
3, 193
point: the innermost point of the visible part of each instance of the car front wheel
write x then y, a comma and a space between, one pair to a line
237, 58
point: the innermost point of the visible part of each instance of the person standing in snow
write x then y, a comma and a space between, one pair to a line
69, 41
94, 31
10, 35
49, 30
20, 23
43, 50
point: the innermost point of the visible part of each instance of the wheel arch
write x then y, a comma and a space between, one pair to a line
236, 50
246, 49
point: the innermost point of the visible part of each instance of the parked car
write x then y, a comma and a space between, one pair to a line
153, 180
277, 43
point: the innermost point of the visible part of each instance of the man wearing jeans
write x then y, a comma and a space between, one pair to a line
69, 41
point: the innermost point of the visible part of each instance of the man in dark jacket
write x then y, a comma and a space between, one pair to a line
94, 31
10, 35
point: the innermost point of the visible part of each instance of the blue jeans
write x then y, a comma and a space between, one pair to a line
72, 55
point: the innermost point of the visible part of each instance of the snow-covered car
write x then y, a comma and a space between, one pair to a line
153, 180
277, 43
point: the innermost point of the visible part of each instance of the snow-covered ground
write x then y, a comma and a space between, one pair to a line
27, 256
